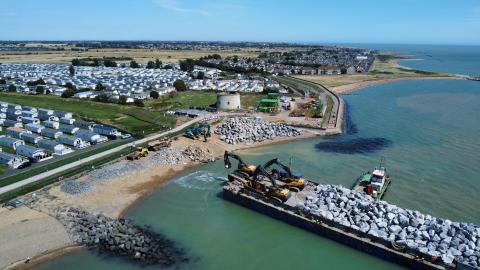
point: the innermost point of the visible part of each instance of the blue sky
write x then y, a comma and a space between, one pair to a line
357, 21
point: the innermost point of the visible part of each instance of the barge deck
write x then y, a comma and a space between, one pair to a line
289, 213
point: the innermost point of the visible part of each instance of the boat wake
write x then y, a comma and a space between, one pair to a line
354, 146
200, 180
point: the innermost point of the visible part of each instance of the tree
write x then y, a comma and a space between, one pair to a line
134, 64
12, 88
139, 103
180, 85
187, 65
102, 98
68, 93
158, 64
99, 87
168, 67
69, 85
37, 82
3, 81
109, 63
154, 94
40, 90
76, 62
151, 65
122, 99
200, 75
71, 70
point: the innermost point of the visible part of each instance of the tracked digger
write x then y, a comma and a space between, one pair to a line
243, 169
255, 179
293, 181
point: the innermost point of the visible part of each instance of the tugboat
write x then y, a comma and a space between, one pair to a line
373, 183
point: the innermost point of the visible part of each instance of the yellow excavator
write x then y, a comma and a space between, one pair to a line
277, 193
243, 169
293, 181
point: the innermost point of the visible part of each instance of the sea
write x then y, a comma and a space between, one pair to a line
425, 130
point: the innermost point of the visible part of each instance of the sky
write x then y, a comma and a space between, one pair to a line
304, 21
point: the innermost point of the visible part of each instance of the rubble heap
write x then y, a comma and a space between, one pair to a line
119, 237
429, 236
243, 129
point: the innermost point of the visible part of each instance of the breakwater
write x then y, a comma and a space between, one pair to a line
119, 237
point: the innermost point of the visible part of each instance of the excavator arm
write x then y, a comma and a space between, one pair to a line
228, 164
277, 162
260, 171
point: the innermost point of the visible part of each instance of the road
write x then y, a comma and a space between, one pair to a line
72, 165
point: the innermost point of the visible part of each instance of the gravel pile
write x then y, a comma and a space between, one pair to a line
451, 242
243, 129
164, 157
75, 187
198, 154
119, 237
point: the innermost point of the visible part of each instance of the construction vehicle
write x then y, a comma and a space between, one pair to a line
139, 152
258, 184
243, 169
292, 181
158, 144
202, 129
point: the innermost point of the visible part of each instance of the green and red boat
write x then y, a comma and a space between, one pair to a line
374, 183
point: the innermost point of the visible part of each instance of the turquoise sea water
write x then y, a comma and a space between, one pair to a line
428, 133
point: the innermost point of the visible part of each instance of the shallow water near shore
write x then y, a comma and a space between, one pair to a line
433, 158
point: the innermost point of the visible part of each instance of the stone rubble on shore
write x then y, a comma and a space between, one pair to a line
244, 129
164, 157
119, 237
451, 242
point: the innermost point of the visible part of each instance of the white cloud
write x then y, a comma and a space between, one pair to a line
174, 5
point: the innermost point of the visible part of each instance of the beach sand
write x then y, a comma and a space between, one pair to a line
112, 197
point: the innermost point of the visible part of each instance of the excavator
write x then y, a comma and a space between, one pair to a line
293, 181
201, 130
257, 184
243, 169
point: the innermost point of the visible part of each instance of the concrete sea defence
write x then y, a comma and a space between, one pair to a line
119, 237
248, 130
403, 236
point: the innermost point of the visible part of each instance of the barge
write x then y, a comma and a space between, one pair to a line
289, 213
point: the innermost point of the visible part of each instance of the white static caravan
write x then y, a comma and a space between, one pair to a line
66, 115
30, 120
51, 133
84, 124
11, 142
34, 128
33, 153
67, 121
11, 160
10, 123
107, 131
51, 124
16, 132
88, 136
72, 141
30, 137
30, 114
70, 129
55, 147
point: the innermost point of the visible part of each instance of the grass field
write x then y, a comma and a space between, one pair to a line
130, 118
199, 99
140, 55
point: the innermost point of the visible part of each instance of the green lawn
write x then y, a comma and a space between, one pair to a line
133, 119
203, 99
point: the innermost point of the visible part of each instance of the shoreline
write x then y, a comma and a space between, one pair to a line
352, 87
137, 192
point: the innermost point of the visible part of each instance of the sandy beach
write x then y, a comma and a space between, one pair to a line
113, 197
348, 88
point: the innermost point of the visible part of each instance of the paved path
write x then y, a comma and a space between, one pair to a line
60, 169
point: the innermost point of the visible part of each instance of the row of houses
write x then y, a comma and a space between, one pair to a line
35, 135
